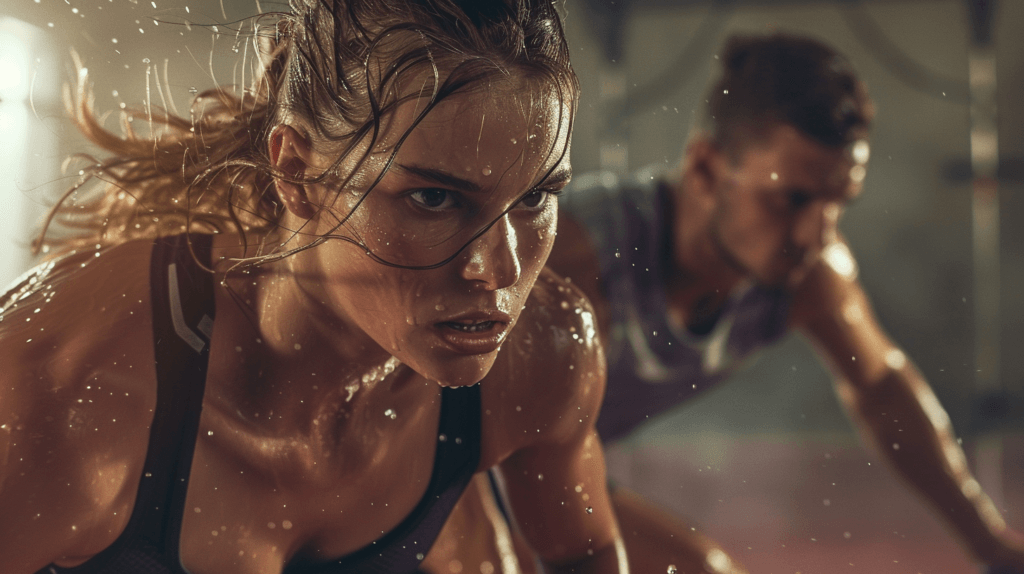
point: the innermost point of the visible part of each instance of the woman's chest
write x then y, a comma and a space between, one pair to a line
254, 503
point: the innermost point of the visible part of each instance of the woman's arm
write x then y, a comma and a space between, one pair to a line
555, 474
74, 409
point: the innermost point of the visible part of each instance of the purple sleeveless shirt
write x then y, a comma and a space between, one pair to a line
652, 364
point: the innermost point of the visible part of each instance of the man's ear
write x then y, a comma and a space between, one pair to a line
704, 164
291, 155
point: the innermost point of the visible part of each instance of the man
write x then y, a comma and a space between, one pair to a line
692, 270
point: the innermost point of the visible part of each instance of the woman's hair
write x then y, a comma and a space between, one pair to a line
334, 69
768, 80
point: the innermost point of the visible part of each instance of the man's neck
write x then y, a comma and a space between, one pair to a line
700, 277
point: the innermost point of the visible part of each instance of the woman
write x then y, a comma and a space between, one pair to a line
376, 212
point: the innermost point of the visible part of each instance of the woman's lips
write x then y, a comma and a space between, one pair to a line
474, 333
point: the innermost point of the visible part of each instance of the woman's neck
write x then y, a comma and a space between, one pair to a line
294, 351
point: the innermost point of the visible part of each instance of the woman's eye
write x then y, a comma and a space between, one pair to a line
535, 198
433, 198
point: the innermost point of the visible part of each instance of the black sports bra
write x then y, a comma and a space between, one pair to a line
183, 313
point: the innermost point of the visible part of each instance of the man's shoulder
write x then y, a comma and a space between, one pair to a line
827, 287
604, 185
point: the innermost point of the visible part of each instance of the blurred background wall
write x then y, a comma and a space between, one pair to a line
767, 463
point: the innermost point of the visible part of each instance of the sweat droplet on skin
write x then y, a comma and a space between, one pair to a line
439, 307
391, 414
486, 171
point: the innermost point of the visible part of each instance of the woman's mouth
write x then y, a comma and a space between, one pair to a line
474, 333
470, 327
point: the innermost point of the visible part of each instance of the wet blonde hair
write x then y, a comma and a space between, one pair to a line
333, 69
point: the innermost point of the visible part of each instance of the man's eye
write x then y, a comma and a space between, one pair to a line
433, 198
798, 199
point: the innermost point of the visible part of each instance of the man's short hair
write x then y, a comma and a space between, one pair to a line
768, 80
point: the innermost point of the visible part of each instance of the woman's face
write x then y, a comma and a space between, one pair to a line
472, 157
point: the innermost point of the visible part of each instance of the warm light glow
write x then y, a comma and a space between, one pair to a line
970, 488
895, 359
861, 152
853, 313
14, 68
718, 560
29, 157
933, 410
839, 258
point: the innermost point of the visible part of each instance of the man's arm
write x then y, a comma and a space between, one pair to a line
897, 411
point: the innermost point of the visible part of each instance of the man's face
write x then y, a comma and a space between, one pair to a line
777, 205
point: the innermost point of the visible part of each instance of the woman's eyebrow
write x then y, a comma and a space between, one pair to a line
558, 177
441, 177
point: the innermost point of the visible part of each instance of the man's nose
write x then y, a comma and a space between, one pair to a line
816, 226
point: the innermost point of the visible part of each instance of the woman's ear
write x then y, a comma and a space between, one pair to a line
291, 155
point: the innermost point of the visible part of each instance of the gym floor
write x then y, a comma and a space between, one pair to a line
804, 504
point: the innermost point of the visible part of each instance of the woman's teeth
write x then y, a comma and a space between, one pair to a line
471, 327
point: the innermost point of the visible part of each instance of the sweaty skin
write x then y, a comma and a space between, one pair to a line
770, 215
295, 456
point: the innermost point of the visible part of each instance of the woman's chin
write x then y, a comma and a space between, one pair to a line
460, 371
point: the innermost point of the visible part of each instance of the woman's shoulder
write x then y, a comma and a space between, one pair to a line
553, 362
76, 392
68, 316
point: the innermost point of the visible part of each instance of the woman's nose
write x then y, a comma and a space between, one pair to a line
492, 261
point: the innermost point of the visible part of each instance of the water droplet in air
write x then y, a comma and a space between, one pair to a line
442, 437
